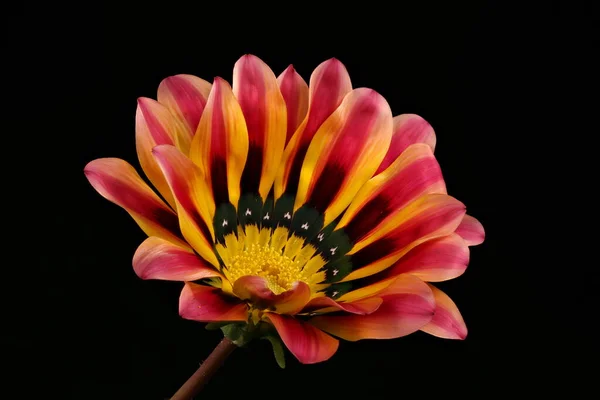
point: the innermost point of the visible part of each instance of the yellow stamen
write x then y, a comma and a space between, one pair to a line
280, 271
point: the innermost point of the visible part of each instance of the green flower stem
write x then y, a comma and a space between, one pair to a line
208, 368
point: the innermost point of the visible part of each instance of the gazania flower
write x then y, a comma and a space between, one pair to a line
305, 210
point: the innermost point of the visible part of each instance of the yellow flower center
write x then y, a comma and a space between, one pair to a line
279, 270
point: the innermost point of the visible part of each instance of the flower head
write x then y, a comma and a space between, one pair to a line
303, 212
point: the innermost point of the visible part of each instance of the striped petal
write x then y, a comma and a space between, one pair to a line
208, 304
118, 182
471, 230
157, 258
329, 84
416, 172
295, 93
429, 217
194, 207
434, 261
256, 289
262, 103
345, 152
327, 304
220, 146
407, 306
155, 125
307, 343
185, 96
408, 129
447, 322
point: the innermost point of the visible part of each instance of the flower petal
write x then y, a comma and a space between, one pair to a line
206, 304
256, 89
447, 322
434, 261
155, 125
185, 96
256, 289
220, 145
295, 93
307, 343
345, 152
429, 217
327, 304
118, 182
407, 306
471, 230
194, 207
408, 129
329, 84
157, 258
416, 171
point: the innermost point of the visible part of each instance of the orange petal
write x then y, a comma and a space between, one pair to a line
329, 84
434, 261
155, 125
295, 93
118, 182
256, 289
307, 343
208, 304
408, 129
471, 230
157, 258
416, 171
363, 306
185, 96
220, 145
429, 217
262, 103
194, 207
447, 322
407, 306
345, 152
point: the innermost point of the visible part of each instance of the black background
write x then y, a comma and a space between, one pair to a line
483, 75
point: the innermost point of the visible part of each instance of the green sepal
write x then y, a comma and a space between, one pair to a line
213, 326
235, 332
278, 351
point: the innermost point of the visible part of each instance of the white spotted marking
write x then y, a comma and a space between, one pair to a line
305, 226
225, 222
335, 272
266, 216
334, 294
332, 250
321, 236
248, 212
287, 215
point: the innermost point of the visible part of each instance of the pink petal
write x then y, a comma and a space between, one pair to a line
447, 322
208, 304
255, 289
118, 182
407, 306
157, 258
307, 343
408, 129
295, 93
471, 230
434, 261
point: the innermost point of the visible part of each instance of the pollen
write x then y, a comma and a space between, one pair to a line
279, 270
